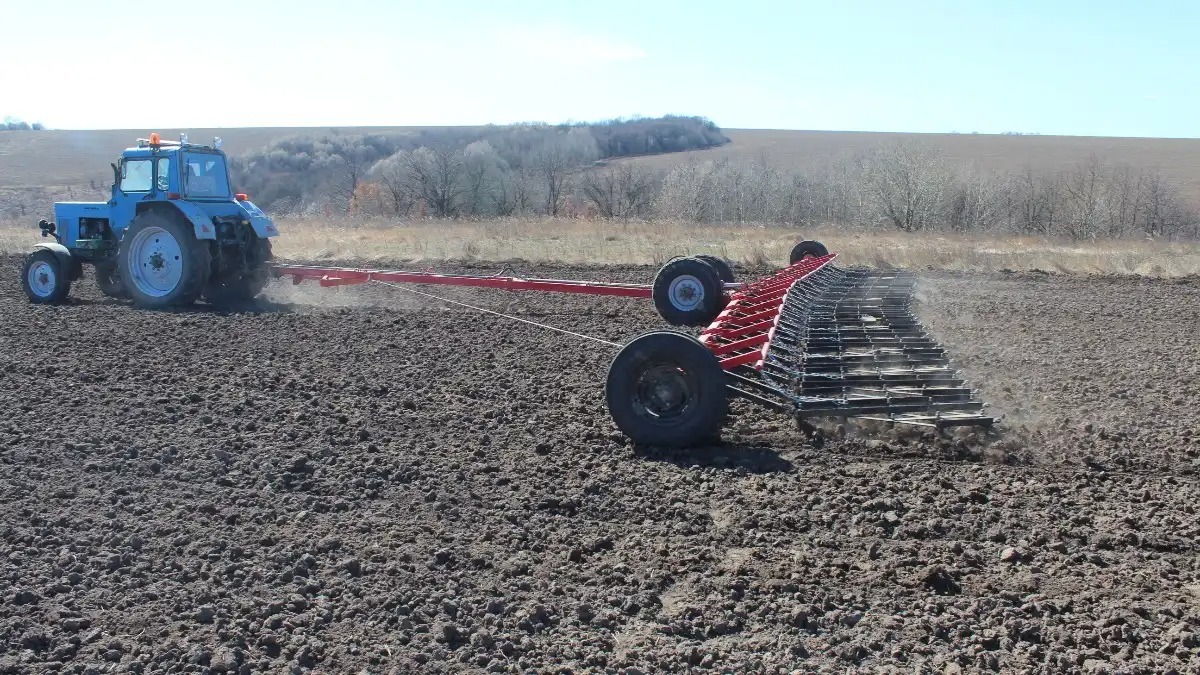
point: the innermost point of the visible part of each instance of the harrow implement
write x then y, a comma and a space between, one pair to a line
812, 339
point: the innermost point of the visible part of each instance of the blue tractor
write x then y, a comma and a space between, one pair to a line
172, 232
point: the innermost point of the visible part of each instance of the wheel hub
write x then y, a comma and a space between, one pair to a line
155, 262
41, 279
664, 391
686, 292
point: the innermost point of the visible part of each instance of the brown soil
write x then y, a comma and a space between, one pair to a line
384, 483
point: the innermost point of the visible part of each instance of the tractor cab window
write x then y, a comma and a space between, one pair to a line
162, 179
204, 176
136, 175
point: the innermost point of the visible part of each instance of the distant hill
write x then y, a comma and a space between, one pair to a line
52, 159
60, 158
1177, 158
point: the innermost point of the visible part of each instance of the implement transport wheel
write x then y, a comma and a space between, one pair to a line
666, 389
688, 292
245, 287
807, 249
44, 279
724, 271
162, 263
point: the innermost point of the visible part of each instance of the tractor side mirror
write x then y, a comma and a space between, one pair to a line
116, 173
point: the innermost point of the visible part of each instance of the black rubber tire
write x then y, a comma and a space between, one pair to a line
62, 281
108, 280
195, 257
245, 288
724, 270
679, 356
704, 279
806, 249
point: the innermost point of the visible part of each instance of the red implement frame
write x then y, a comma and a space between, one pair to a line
338, 276
741, 333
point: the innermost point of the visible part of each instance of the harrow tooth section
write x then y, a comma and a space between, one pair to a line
846, 344
741, 332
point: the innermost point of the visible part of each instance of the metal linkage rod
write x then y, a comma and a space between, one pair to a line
339, 276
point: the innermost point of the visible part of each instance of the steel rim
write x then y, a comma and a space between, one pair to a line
663, 392
685, 292
155, 262
42, 278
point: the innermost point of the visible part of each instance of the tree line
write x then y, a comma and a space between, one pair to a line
14, 124
522, 166
913, 188
570, 170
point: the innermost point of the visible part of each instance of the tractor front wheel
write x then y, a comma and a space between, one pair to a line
162, 263
667, 389
44, 278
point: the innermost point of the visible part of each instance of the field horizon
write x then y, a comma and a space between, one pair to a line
71, 158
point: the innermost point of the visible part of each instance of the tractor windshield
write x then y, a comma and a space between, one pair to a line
204, 175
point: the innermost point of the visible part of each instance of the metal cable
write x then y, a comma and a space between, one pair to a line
506, 316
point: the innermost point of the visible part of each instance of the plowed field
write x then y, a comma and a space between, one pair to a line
364, 479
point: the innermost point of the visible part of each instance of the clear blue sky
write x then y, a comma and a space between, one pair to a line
1082, 68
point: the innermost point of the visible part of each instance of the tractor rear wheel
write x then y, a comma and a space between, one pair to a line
688, 292
807, 249
162, 263
666, 389
44, 279
245, 287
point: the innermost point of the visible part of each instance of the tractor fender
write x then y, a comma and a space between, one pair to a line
263, 227
201, 222
73, 266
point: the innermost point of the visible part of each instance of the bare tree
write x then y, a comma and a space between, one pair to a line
393, 174
557, 158
437, 174
621, 191
907, 183
354, 166
482, 168
1083, 191
976, 203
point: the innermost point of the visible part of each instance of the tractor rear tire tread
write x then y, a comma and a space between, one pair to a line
243, 289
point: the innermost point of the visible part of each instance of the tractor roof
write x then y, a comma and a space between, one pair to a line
148, 146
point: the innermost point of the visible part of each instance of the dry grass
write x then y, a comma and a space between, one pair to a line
581, 241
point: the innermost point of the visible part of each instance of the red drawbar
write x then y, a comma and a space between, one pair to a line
742, 332
337, 276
